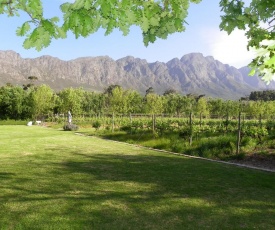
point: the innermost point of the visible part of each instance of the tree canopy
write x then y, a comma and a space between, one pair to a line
157, 19
257, 19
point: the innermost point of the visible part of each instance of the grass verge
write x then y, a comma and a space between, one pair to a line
51, 179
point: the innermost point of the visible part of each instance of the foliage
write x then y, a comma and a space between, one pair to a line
177, 104
216, 106
31, 84
258, 20
266, 95
13, 103
149, 90
96, 124
201, 107
169, 91
153, 103
212, 138
254, 108
94, 103
42, 100
219, 147
133, 101
156, 19
117, 104
71, 99
70, 127
110, 88
264, 62
255, 132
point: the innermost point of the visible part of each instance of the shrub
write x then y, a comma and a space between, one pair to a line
240, 156
70, 127
126, 128
96, 124
248, 144
177, 145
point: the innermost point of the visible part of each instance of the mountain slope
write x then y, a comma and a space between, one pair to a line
193, 73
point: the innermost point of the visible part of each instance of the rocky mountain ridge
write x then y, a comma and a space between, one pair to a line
193, 73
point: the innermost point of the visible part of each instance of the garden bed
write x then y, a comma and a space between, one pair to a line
259, 160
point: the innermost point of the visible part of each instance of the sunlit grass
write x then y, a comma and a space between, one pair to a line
52, 179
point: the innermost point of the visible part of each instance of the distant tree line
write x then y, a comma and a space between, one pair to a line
34, 102
266, 95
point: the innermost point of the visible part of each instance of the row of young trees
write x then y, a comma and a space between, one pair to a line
18, 102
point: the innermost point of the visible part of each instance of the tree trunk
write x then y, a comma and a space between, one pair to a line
191, 129
113, 122
238, 134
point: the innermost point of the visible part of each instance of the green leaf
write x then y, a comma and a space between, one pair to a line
78, 4
48, 26
252, 72
54, 19
145, 24
154, 21
27, 43
23, 30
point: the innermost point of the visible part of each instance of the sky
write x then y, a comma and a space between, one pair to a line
202, 35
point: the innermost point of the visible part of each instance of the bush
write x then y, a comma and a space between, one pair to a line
214, 147
96, 124
70, 127
176, 145
248, 144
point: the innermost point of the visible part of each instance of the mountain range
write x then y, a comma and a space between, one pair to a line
193, 73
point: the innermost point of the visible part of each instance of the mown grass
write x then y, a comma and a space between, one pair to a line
13, 122
51, 179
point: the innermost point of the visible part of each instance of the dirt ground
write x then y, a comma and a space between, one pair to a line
260, 160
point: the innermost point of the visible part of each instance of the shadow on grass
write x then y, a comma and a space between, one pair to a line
139, 191
5, 175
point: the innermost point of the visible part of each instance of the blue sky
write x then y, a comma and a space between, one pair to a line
202, 35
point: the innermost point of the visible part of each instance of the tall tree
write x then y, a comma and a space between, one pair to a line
31, 79
216, 106
175, 103
230, 108
170, 91
13, 103
94, 103
154, 103
41, 100
255, 108
149, 90
71, 99
202, 107
117, 102
133, 101
110, 88
267, 95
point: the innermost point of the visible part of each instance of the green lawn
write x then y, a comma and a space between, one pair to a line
51, 179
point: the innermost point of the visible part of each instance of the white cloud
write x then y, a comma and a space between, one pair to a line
229, 49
